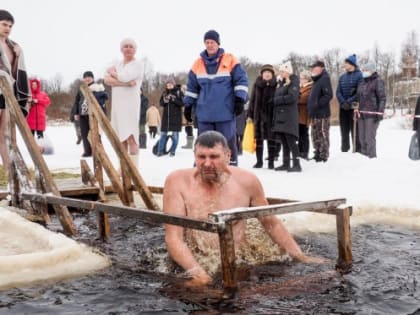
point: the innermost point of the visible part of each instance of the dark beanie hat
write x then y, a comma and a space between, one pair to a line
212, 34
351, 60
6, 16
267, 67
88, 74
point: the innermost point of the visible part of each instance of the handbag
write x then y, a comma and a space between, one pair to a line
414, 150
248, 142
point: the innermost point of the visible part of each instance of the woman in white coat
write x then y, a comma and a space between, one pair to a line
125, 77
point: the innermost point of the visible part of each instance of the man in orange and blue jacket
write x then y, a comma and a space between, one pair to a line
217, 89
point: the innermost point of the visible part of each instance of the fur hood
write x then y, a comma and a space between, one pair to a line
97, 87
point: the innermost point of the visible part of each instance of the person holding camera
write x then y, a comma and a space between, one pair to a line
171, 101
347, 95
218, 89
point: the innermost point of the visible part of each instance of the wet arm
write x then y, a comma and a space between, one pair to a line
273, 226
173, 203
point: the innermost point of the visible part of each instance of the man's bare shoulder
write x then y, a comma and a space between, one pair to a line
179, 176
243, 174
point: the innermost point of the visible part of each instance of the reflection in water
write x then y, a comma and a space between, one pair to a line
384, 279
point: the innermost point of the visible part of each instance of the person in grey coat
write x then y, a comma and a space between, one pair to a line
285, 117
372, 99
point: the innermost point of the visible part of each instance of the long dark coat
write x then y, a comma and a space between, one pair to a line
261, 107
416, 121
285, 112
171, 101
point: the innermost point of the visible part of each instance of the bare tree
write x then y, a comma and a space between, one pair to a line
53, 85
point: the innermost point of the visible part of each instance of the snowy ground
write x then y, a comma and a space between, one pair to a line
381, 190
385, 184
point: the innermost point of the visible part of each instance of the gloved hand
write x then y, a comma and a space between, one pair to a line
239, 106
346, 106
378, 118
188, 113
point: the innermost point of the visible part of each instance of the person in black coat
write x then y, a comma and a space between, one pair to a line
285, 117
171, 101
144, 105
416, 120
319, 111
260, 111
80, 109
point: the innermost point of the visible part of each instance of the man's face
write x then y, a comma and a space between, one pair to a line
211, 47
211, 163
348, 67
5, 28
316, 71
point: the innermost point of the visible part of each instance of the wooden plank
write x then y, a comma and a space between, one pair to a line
227, 255
104, 230
120, 150
345, 256
326, 206
13, 177
41, 208
150, 216
112, 174
91, 179
39, 162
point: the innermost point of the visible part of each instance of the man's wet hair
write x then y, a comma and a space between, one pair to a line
210, 139
6, 16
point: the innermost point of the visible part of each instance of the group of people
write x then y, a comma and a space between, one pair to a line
284, 108
32, 99
216, 92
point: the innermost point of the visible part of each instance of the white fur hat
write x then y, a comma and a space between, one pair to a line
286, 67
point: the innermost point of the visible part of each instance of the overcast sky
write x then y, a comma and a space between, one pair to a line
69, 37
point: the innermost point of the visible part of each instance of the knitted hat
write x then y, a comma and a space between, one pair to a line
212, 34
351, 60
286, 67
87, 74
267, 67
6, 16
318, 63
370, 66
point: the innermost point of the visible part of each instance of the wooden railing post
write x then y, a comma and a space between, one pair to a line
14, 110
345, 257
126, 163
104, 230
228, 260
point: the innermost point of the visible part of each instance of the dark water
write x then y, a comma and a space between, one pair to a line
385, 279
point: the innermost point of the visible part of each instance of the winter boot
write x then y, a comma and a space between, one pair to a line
296, 166
143, 141
259, 155
190, 142
285, 166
